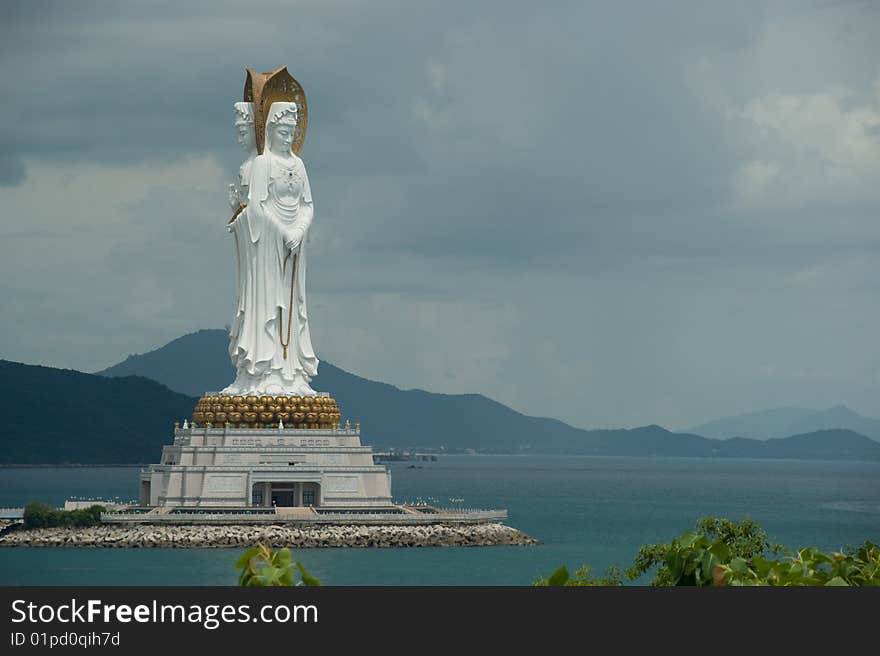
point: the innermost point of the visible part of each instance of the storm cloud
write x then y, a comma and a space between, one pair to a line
610, 213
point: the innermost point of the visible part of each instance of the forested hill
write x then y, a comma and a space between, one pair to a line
65, 416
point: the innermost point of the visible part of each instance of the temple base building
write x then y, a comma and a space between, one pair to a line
242, 465
300, 467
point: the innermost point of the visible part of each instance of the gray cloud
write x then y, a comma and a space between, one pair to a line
12, 170
608, 213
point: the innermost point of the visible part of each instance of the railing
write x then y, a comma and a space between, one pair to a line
323, 512
469, 512
323, 395
287, 430
246, 512
327, 516
190, 448
224, 516
477, 516
268, 447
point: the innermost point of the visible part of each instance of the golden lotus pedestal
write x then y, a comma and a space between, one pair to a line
305, 412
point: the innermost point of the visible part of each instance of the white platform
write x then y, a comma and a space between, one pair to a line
235, 467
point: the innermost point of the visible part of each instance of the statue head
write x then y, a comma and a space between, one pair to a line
244, 125
281, 127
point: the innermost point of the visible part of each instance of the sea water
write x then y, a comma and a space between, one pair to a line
585, 510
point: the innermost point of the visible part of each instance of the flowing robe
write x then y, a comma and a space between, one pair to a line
278, 215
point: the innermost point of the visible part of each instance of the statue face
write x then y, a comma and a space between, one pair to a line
282, 137
246, 136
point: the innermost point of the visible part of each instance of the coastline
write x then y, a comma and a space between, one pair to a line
273, 535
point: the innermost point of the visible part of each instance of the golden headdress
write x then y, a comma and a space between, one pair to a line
262, 89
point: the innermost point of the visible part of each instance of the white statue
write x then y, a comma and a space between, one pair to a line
270, 345
244, 126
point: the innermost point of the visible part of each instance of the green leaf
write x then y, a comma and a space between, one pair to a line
282, 558
688, 539
837, 581
286, 577
307, 578
270, 574
819, 557
246, 557
708, 563
739, 566
762, 566
675, 566
721, 551
708, 573
559, 577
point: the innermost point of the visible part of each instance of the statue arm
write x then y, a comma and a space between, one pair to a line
300, 229
236, 194
235, 204
258, 193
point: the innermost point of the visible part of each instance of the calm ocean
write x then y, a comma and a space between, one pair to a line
592, 510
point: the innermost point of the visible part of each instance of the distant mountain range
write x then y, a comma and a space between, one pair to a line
780, 422
125, 413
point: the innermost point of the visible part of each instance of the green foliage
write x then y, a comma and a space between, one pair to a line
582, 578
39, 515
692, 559
743, 539
260, 566
809, 566
721, 552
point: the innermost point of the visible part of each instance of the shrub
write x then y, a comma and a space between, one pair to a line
744, 539
722, 552
39, 515
858, 567
582, 577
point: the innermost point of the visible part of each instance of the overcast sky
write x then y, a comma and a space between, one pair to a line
613, 213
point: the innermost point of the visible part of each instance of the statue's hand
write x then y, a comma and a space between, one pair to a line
234, 199
238, 210
295, 238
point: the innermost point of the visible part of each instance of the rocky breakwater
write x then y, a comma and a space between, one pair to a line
190, 537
